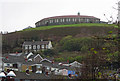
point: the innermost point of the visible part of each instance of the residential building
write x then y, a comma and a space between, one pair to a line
34, 46
67, 19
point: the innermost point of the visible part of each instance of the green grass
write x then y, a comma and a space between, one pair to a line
71, 25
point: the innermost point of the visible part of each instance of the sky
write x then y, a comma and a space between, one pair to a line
16, 15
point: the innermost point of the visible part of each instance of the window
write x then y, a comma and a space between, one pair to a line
60, 20
34, 46
38, 46
69, 19
26, 46
8, 65
38, 23
38, 66
87, 20
75, 19
30, 47
63, 20
57, 20
51, 21
42, 46
46, 46
15, 66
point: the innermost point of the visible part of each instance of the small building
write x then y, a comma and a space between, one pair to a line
34, 46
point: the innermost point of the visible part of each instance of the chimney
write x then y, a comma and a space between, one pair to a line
78, 13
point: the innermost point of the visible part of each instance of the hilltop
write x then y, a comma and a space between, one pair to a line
55, 33
71, 25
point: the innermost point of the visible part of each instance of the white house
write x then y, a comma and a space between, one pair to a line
36, 46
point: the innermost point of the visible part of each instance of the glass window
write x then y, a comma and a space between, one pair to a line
30, 47
60, 20
57, 20
26, 46
42, 46
34, 46
75, 19
69, 19
46, 46
38, 46
87, 20
38, 66
63, 20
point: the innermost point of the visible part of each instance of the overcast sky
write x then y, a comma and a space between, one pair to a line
19, 14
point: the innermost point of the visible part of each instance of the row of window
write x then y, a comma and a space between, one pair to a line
68, 20
35, 46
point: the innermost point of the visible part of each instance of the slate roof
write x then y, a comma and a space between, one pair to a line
22, 75
16, 59
35, 43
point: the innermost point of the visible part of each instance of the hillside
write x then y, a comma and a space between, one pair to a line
71, 25
55, 33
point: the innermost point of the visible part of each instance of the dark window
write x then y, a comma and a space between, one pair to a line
15, 66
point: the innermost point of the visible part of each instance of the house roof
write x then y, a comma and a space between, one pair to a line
35, 43
23, 75
76, 64
69, 16
7, 58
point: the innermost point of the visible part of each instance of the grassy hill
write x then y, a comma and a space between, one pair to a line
71, 25
55, 33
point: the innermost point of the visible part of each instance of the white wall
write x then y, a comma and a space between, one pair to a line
49, 45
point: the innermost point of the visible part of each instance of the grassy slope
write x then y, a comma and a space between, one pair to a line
71, 25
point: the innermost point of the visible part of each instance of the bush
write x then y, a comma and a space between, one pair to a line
17, 49
79, 58
59, 59
76, 44
49, 52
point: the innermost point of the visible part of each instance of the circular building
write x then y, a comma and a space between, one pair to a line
68, 19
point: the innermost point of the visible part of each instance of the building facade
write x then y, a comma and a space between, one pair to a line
36, 46
68, 19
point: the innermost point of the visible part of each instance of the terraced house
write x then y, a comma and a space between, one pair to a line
67, 19
29, 46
